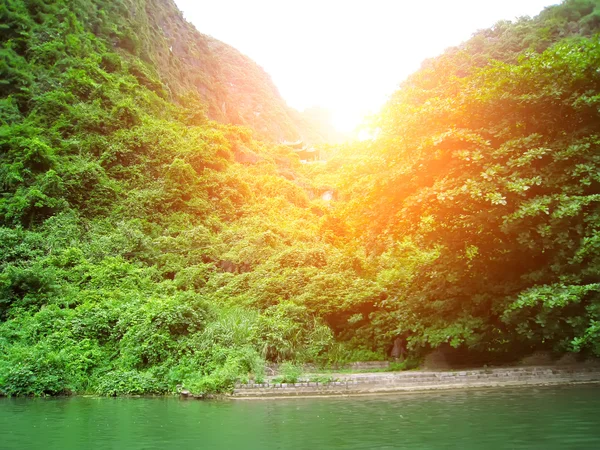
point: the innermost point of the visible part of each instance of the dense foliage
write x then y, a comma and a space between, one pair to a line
494, 165
144, 246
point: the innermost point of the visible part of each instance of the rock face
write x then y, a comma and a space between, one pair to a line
436, 360
398, 350
232, 87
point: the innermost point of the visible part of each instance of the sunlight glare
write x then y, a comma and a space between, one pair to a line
346, 56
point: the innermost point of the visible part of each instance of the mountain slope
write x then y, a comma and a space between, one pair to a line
182, 64
489, 158
235, 89
143, 246
127, 227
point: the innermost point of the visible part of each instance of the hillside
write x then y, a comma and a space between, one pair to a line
488, 158
234, 88
144, 246
168, 55
126, 221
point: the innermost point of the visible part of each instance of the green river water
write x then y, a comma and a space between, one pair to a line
519, 418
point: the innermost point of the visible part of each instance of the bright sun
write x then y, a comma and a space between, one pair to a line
347, 57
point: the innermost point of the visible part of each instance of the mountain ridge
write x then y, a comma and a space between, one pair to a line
231, 86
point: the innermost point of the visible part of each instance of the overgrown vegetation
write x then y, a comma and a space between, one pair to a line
144, 246
492, 166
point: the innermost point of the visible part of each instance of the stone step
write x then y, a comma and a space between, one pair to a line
376, 382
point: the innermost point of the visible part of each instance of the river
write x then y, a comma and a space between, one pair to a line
519, 418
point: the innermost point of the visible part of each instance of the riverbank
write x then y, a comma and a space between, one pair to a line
385, 382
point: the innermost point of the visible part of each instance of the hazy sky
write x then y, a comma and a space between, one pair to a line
347, 56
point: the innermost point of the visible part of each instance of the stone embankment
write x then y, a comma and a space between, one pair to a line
375, 383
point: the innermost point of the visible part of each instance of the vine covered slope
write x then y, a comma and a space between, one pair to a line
152, 234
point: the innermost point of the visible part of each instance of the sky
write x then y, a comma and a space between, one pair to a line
346, 56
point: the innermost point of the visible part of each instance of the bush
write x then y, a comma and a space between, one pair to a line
34, 371
290, 372
131, 382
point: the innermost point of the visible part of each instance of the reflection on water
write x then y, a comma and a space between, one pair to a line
520, 418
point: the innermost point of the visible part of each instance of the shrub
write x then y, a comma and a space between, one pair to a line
290, 372
128, 382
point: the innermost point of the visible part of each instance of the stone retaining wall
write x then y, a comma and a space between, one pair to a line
366, 383
357, 366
